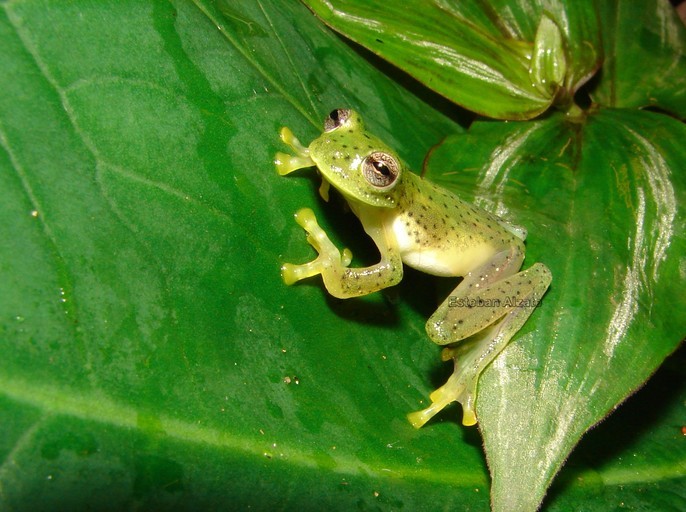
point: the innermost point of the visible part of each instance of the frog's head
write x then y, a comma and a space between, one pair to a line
355, 162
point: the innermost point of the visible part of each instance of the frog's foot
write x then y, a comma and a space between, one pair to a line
471, 357
459, 388
285, 163
329, 256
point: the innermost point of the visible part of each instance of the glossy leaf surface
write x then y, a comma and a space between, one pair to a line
151, 356
603, 200
645, 62
481, 55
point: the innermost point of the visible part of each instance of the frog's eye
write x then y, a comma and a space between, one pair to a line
380, 170
336, 118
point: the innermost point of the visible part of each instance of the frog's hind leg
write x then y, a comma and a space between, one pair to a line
486, 320
480, 299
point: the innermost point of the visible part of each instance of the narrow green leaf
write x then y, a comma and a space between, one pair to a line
645, 56
495, 59
578, 22
548, 65
438, 44
603, 199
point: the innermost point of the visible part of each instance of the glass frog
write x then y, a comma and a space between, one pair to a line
417, 223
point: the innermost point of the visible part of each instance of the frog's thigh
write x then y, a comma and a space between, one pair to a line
481, 298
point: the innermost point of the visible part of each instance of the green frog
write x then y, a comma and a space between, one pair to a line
415, 222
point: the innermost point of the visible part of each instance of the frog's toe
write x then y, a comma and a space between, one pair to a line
286, 164
346, 257
455, 390
419, 418
293, 273
289, 138
317, 237
306, 219
288, 273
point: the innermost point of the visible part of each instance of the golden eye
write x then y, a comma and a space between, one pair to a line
381, 170
336, 118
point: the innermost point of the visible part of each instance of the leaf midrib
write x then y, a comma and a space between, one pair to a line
240, 49
100, 408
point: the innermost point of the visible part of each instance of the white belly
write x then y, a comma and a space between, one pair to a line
440, 263
449, 259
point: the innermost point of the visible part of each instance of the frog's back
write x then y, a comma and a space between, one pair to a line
441, 234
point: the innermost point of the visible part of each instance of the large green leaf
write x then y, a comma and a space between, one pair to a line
634, 460
146, 334
151, 357
484, 56
604, 200
645, 62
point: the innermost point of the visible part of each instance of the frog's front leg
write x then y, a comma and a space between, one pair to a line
329, 261
485, 310
286, 164
341, 281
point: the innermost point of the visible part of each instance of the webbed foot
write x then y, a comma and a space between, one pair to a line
329, 256
285, 163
